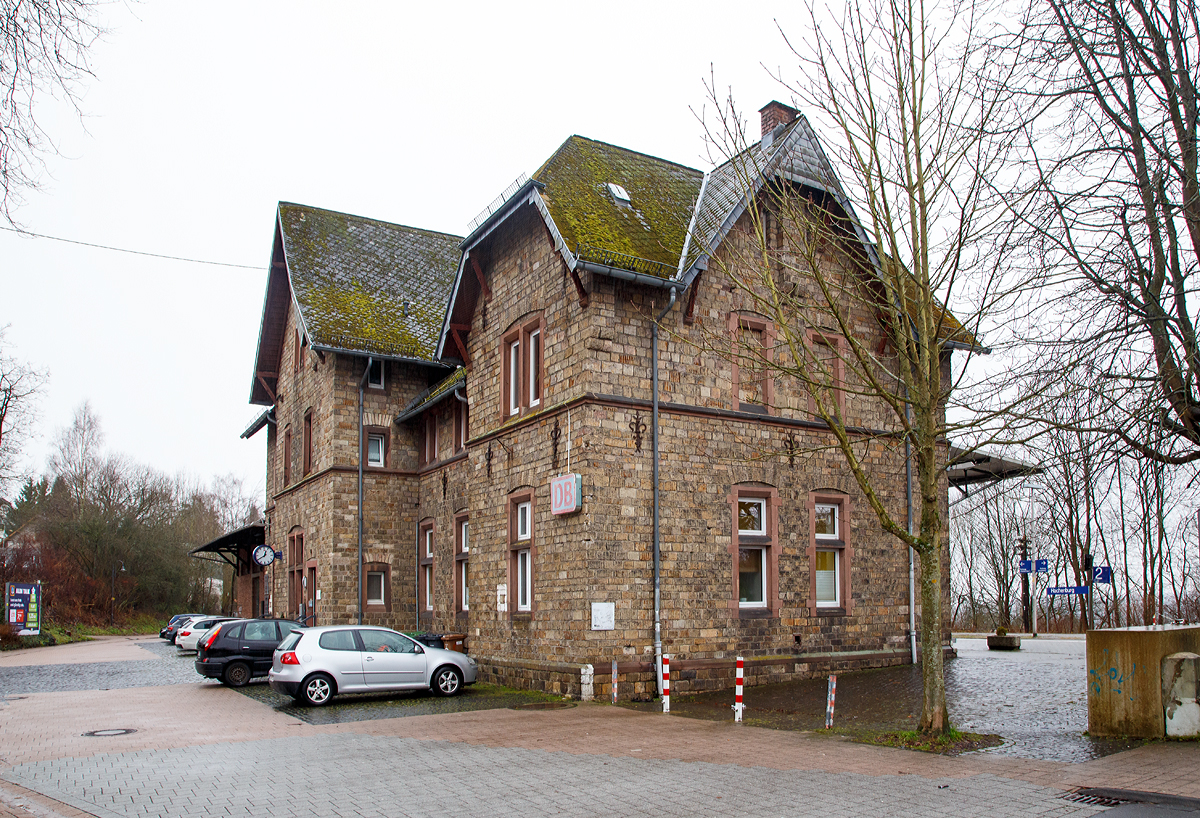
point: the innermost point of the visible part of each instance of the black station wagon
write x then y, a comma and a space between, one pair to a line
241, 650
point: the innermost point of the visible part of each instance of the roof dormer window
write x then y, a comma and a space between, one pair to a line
619, 194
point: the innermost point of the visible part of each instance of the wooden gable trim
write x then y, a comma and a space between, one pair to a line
262, 379
689, 314
483, 285
456, 332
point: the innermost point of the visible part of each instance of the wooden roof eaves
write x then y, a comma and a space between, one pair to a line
529, 194
259, 394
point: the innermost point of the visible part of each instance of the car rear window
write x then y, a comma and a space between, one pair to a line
338, 640
290, 640
261, 631
287, 626
233, 631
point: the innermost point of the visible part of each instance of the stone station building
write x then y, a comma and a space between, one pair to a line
506, 439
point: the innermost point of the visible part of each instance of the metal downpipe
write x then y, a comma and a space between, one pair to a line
912, 573
654, 449
361, 382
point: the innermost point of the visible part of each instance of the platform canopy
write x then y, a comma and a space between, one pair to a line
225, 548
973, 468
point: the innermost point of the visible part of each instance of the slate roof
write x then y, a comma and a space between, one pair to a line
644, 236
793, 151
367, 286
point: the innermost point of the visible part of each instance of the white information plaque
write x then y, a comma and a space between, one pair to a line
604, 616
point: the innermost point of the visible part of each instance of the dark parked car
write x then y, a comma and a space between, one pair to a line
238, 651
169, 631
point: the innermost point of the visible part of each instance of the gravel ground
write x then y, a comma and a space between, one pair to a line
370, 706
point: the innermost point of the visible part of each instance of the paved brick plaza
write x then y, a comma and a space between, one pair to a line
201, 749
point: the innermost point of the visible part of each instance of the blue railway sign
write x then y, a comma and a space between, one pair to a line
1042, 566
1102, 574
1026, 566
1067, 590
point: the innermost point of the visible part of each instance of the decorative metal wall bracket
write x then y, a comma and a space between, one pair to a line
790, 439
638, 427
489, 460
555, 434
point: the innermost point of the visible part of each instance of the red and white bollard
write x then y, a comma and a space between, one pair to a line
737, 695
666, 682
829, 704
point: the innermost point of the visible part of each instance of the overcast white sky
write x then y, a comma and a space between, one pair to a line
202, 117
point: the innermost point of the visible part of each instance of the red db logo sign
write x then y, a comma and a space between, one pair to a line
565, 494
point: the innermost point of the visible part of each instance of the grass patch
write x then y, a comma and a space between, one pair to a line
138, 625
951, 743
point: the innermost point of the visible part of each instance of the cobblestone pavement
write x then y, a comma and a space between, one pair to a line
372, 706
385, 776
1036, 698
163, 665
202, 749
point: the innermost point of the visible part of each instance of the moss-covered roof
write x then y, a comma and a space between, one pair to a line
368, 286
647, 234
433, 395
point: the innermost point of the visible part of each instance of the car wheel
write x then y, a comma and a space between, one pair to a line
447, 681
317, 689
236, 674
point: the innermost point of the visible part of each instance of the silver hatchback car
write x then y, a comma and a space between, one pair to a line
315, 664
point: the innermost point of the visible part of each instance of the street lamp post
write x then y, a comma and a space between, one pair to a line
112, 600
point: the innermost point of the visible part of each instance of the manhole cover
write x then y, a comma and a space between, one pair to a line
116, 731
542, 706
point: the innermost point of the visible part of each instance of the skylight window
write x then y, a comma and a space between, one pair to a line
619, 194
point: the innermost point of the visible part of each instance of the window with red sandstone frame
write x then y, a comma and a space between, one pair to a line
522, 364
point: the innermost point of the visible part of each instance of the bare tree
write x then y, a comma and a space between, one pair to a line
1111, 117
905, 230
20, 385
43, 51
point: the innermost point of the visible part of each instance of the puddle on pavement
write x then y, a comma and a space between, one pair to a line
1037, 701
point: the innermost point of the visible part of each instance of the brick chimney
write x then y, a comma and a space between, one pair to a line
776, 113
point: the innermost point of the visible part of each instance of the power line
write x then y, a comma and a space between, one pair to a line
124, 250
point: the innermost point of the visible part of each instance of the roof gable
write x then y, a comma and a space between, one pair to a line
367, 286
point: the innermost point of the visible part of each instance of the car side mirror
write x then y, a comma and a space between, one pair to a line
419, 649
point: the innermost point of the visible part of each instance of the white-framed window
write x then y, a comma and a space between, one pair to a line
375, 580
514, 377
829, 579
429, 542
376, 445
524, 579
752, 516
464, 586
522, 360
828, 526
523, 510
428, 571
752, 577
535, 368
462, 567
375, 376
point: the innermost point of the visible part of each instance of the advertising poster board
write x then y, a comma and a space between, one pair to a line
23, 607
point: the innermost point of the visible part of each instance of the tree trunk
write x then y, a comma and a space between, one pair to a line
934, 716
